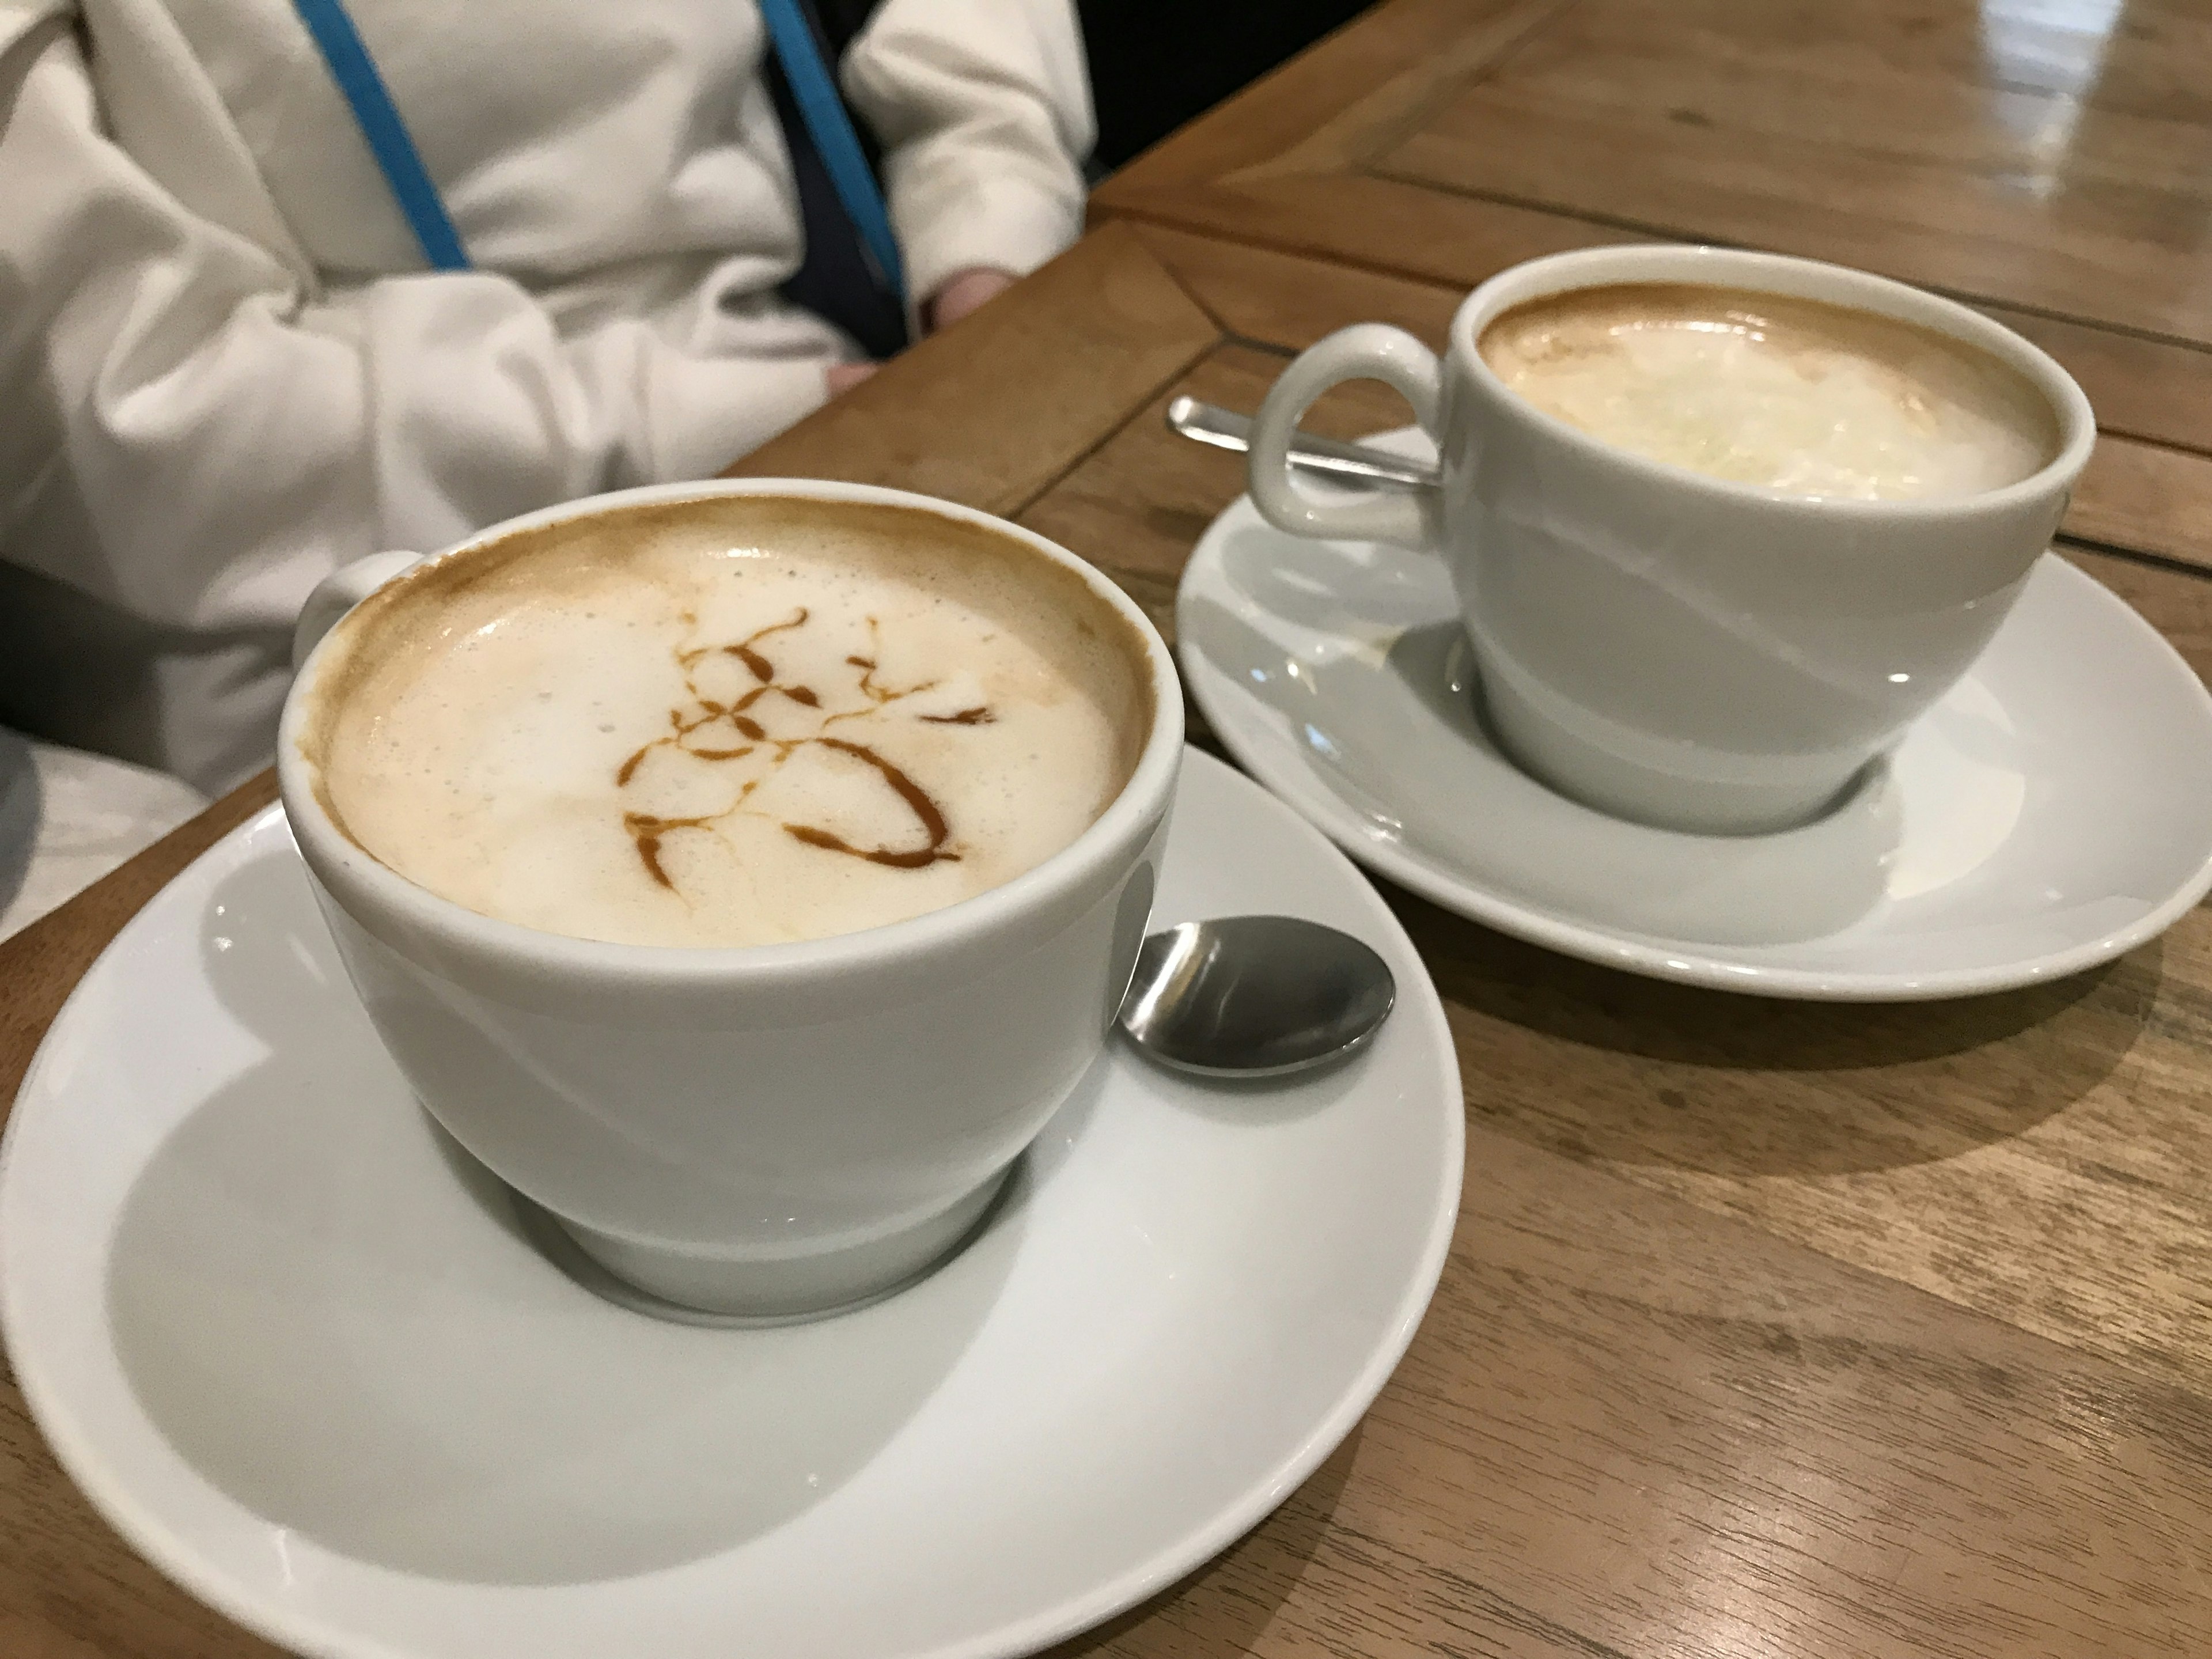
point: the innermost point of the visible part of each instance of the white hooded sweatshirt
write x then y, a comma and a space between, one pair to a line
226, 370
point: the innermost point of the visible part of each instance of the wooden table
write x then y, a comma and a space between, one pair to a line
2048, 159
1769, 1329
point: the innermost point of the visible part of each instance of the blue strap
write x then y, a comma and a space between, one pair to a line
831, 128
355, 72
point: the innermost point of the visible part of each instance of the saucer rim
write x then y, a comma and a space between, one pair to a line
76, 1449
1682, 962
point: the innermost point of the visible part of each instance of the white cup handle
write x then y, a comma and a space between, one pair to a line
1365, 351
339, 592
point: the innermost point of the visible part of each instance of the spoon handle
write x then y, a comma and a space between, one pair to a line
1224, 429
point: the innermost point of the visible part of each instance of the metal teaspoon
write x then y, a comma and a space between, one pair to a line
1255, 996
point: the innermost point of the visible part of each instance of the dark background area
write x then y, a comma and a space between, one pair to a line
1157, 64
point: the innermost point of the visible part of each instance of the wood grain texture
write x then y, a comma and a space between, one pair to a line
1769, 1329
1375, 223
2178, 604
1139, 501
1621, 1433
2144, 388
1391, 64
2033, 1156
2063, 1120
2159, 390
1259, 294
990, 411
1481, 35
2044, 156
1280, 299
1805, 1483
2148, 497
2025, 158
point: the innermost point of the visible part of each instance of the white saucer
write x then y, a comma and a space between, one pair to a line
2053, 812
295, 1347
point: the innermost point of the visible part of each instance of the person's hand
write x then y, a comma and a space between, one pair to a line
843, 377
962, 292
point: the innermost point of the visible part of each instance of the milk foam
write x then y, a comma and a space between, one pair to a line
735, 721
1759, 389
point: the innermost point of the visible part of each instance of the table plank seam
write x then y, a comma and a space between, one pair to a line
1672, 233
1230, 336
1432, 93
1152, 396
1268, 347
2165, 562
1765, 1327
2136, 436
1171, 213
1190, 293
2148, 441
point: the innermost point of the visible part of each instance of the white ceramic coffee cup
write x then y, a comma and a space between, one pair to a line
774, 1131
1662, 644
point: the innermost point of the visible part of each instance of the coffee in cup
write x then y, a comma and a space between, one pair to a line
548, 784
1775, 391
747, 720
1722, 524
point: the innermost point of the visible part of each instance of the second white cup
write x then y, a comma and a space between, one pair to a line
1671, 648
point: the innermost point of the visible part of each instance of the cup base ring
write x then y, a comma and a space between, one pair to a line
689, 1289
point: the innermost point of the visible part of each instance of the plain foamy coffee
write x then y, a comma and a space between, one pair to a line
1761, 389
727, 721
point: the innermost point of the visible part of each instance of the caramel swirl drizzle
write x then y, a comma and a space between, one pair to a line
646, 829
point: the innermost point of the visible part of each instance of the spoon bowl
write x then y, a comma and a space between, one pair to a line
1255, 997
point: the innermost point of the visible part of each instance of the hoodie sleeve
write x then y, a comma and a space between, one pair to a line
983, 107
195, 439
